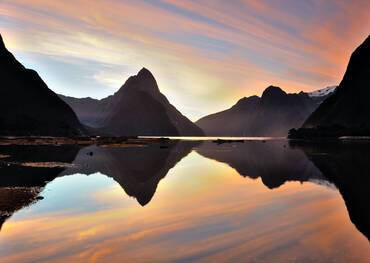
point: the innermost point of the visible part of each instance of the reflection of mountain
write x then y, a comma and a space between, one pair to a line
347, 166
21, 185
15, 175
273, 161
137, 169
344, 165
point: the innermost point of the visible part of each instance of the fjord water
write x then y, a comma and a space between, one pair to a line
186, 201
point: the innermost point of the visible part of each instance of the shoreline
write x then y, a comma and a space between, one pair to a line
145, 140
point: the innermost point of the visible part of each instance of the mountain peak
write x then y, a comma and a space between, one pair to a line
2, 45
273, 91
144, 81
144, 72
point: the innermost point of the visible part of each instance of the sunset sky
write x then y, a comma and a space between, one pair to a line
205, 54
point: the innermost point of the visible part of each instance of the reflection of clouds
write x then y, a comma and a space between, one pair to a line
224, 218
197, 49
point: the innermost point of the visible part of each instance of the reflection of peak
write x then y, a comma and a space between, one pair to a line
138, 170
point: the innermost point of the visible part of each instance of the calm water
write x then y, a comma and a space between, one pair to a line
187, 201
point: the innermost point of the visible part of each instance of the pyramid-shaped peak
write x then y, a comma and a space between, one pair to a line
146, 78
144, 72
143, 81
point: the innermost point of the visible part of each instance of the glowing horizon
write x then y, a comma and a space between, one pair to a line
205, 55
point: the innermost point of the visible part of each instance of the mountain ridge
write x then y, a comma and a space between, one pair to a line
272, 114
28, 106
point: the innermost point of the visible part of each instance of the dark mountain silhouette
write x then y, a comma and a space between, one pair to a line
341, 165
347, 111
274, 114
28, 106
137, 108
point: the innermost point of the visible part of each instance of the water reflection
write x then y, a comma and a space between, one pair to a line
137, 170
21, 185
343, 165
25, 170
273, 161
202, 211
347, 166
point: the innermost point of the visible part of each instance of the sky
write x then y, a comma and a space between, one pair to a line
205, 54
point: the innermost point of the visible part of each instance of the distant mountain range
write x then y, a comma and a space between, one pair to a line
347, 111
28, 106
272, 114
137, 108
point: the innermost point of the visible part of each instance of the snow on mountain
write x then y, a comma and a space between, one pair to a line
322, 92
